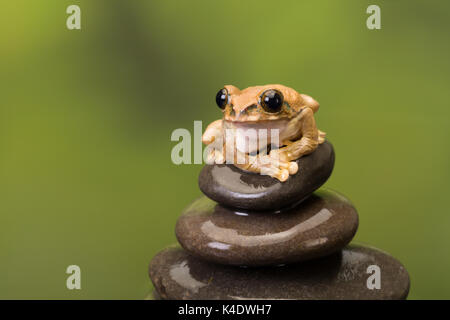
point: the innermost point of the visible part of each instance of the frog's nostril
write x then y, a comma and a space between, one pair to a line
248, 109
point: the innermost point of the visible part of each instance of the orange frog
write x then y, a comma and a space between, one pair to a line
286, 117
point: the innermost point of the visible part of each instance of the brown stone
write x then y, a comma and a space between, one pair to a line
230, 186
322, 224
343, 275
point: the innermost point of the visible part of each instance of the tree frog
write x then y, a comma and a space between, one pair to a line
286, 117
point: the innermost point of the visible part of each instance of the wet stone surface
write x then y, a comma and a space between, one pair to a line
322, 224
233, 187
343, 275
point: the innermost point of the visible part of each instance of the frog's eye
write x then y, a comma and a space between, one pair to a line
222, 98
271, 100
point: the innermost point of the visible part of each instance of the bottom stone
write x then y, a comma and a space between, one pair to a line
344, 275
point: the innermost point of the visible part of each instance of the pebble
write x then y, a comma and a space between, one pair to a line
230, 186
322, 224
343, 275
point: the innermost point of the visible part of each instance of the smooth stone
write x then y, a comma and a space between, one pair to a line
233, 187
178, 275
322, 224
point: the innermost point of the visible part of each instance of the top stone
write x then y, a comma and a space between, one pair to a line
233, 187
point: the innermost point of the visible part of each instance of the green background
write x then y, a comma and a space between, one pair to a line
86, 117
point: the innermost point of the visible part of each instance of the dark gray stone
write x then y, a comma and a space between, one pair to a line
343, 275
233, 187
322, 224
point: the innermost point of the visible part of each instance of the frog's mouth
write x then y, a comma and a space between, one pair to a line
252, 136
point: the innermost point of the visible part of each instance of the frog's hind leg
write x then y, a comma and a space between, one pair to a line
266, 166
321, 136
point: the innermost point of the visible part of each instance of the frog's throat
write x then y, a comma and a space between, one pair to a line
249, 137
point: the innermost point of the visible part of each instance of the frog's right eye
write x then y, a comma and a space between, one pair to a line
222, 98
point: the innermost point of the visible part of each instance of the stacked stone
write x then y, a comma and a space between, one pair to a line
253, 237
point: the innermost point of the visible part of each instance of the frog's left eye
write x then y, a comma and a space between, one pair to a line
222, 98
272, 100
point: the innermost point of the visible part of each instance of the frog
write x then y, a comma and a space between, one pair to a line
286, 116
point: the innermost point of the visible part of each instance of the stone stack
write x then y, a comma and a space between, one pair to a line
254, 237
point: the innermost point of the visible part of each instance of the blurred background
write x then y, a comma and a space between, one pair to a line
86, 117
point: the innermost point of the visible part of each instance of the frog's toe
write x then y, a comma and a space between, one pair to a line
210, 158
293, 167
220, 159
283, 175
322, 137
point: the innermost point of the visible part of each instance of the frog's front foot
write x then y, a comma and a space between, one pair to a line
277, 173
278, 168
215, 156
